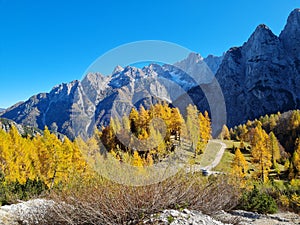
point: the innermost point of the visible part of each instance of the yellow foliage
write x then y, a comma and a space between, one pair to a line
284, 200
192, 124
59, 161
239, 167
41, 157
296, 157
204, 131
296, 199
275, 151
137, 160
225, 135
261, 152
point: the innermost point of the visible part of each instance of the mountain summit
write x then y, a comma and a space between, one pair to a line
290, 37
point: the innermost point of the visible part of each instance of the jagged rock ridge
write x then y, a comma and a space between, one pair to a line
77, 107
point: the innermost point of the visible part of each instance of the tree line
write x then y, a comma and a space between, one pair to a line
57, 160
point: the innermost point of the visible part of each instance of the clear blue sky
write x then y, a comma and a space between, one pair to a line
44, 43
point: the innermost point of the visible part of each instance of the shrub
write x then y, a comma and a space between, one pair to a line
110, 203
284, 201
257, 201
13, 191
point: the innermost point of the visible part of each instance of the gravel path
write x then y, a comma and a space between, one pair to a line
214, 163
218, 156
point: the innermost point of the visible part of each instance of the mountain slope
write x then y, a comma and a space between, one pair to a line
6, 125
214, 62
80, 106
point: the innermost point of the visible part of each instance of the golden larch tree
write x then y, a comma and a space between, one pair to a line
296, 158
225, 134
239, 166
192, 125
275, 149
260, 152
204, 131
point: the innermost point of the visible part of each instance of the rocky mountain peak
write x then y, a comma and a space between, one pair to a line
290, 36
263, 27
65, 88
133, 72
294, 17
261, 45
117, 69
93, 77
128, 75
196, 68
153, 70
262, 34
292, 26
193, 58
261, 76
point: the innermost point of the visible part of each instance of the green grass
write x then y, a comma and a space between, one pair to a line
211, 151
236, 144
230, 143
225, 163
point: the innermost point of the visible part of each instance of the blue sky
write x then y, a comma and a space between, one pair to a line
44, 43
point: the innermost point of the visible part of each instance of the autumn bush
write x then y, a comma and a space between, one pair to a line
288, 196
105, 202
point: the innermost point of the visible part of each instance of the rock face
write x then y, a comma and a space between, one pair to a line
262, 76
6, 125
50, 109
214, 62
290, 37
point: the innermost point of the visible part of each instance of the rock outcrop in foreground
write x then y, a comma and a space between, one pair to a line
34, 211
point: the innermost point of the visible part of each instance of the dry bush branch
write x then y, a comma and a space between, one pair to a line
110, 203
